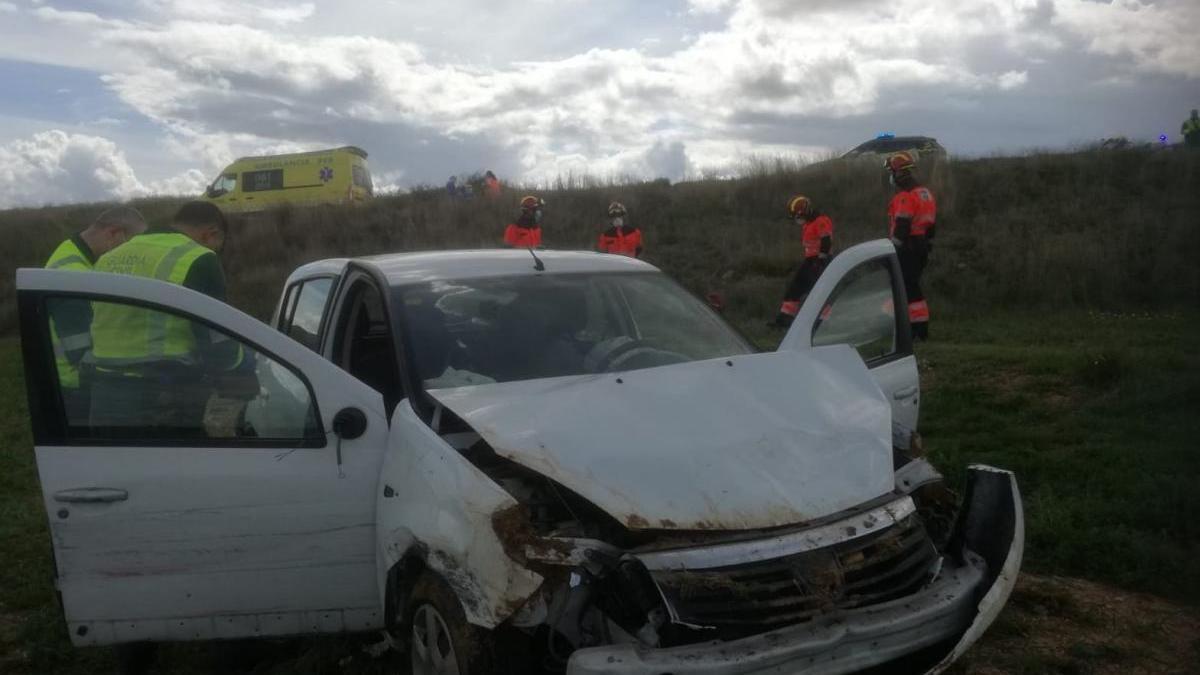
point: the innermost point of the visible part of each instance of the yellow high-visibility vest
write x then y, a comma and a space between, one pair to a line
68, 256
127, 335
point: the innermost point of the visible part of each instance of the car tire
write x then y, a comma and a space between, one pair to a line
440, 640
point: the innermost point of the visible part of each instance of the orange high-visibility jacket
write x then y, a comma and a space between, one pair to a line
625, 240
520, 236
917, 205
814, 231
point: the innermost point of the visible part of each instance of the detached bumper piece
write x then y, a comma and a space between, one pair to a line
866, 623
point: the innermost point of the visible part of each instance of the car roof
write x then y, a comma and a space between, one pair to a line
893, 142
406, 268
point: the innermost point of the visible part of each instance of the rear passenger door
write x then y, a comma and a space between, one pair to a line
854, 303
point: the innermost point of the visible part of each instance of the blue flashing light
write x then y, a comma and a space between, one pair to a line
885, 134
1162, 138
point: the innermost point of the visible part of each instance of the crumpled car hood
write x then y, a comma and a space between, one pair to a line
747, 442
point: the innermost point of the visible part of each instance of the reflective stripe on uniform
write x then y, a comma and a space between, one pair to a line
68, 256
918, 311
156, 328
68, 260
71, 343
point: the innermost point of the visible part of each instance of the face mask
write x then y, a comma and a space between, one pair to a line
618, 222
801, 220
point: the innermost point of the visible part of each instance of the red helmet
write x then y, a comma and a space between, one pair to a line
799, 206
900, 161
532, 203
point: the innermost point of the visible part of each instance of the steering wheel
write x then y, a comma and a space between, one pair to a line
613, 353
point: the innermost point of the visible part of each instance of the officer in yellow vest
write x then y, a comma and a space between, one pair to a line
70, 320
154, 371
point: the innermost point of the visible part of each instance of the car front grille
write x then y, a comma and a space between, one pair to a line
756, 597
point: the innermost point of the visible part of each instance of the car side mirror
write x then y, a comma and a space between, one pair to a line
716, 301
349, 423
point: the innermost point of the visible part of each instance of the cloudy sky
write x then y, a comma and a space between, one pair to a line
123, 98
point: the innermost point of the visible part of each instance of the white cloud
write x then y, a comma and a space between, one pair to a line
76, 18
190, 182
1013, 79
275, 13
1160, 37
224, 79
7, 8
55, 167
707, 6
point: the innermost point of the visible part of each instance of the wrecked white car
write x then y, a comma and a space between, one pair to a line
519, 462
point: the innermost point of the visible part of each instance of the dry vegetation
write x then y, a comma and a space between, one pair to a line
1097, 230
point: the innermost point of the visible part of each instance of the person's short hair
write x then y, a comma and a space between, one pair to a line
198, 214
125, 217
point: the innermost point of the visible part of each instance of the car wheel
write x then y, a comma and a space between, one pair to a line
441, 642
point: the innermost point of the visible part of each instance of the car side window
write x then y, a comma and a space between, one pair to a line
861, 313
151, 376
305, 324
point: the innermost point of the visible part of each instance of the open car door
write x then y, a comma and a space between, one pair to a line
854, 302
198, 502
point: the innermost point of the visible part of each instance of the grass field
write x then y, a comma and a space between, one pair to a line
1096, 412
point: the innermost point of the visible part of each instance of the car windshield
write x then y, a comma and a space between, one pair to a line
503, 329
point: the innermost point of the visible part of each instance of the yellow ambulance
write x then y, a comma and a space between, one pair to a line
334, 176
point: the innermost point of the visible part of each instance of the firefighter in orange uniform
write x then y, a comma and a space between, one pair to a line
816, 233
911, 218
527, 231
620, 237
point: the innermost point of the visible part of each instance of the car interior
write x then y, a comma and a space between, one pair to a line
363, 343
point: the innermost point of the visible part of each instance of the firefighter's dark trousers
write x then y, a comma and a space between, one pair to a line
798, 288
914, 256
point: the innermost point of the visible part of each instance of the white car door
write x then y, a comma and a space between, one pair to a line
854, 302
205, 526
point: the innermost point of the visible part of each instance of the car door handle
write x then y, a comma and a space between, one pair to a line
91, 495
907, 392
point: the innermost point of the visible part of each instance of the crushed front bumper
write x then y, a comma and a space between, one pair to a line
962, 602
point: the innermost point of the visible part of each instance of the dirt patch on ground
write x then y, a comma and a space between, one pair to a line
1072, 626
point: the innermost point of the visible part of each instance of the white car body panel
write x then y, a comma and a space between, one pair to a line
216, 541
723, 444
443, 506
